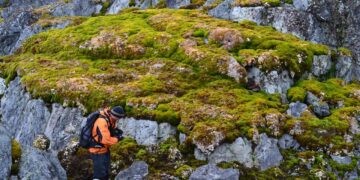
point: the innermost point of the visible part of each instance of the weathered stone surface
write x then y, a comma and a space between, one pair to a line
320, 108
211, 171
288, 142
36, 164
321, 65
63, 125
256, 14
182, 138
137, 171
146, 132
296, 109
344, 68
117, 6
240, 150
41, 142
273, 82
5, 153
176, 4
267, 153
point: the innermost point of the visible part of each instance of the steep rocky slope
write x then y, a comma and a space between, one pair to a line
267, 104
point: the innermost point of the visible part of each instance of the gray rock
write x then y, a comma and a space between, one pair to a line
341, 159
5, 153
321, 109
273, 82
351, 175
76, 8
267, 153
176, 4
63, 125
2, 86
222, 10
146, 132
303, 5
344, 68
199, 155
211, 171
240, 150
117, 6
166, 130
31, 115
288, 142
137, 171
296, 109
321, 65
182, 138
41, 142
36, 164
255, 14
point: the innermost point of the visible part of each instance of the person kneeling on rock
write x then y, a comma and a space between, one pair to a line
105, 133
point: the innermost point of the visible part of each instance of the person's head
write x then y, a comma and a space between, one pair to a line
116, 113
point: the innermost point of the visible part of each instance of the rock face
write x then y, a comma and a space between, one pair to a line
267, 153
239, 151
272, 82
40, 165
335, 23
146, 132
211, 171
137, 171
344, 68
321, 65
341, 159
5, 153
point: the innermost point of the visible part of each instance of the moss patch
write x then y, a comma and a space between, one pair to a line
15, 156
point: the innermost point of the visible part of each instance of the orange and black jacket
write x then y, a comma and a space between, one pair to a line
101, 133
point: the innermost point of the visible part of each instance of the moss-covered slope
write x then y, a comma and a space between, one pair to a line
177, 66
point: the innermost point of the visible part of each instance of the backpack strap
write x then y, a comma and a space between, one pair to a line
98, 144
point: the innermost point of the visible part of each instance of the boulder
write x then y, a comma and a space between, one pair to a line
240, 150
117, 6
211, 171
2, 86
137, 171
296, 109
267, 153
321, 109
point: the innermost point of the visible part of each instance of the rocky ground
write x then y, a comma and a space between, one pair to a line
208, 98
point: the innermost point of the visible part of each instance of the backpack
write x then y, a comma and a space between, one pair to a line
86, 138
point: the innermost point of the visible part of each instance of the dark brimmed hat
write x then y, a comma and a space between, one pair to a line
118, 112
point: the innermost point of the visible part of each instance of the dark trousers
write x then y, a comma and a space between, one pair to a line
101, 165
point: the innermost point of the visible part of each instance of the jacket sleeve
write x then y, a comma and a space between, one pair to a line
104, 133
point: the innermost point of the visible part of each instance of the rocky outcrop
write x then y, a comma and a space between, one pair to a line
341, 159
272, 82
146, 132
36, 164
211, 171
5, 153
267, 153
137, 171
240, 150
321, 65
344, 68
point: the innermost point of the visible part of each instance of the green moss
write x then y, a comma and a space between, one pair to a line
296, 94
343, 168
344, 51
15, 156
132, 3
